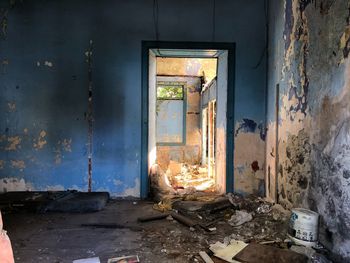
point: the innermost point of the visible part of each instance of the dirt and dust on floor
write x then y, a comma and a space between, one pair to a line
195, 227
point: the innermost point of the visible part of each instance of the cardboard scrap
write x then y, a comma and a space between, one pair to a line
88, 260
228, 252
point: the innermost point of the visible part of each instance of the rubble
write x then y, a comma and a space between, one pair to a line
242, 226
279, 213
256, 253
240, 217
264, 209
188, 227
180, 179
311, 253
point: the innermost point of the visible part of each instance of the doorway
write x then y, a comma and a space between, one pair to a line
187, 137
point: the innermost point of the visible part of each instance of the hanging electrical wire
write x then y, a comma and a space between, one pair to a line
265, 50
155, 18
213, 21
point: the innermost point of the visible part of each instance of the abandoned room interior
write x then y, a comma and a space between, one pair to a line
175, 131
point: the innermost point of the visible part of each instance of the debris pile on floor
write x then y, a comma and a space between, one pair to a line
180, 179
192, 178
189, 228
230, 228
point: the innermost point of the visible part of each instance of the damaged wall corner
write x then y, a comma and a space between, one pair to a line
309, 58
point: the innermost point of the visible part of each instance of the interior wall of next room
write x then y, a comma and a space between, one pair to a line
190, 151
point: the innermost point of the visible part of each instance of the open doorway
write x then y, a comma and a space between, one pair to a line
189, 109
181, 134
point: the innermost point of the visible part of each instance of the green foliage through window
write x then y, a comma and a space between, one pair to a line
167, 92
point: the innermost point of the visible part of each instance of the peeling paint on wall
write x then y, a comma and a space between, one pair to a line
345, 43
249, 161
4, 22
66, 145
13, 184
11, 106
314, 125
62, 146
2, 164
246, 125
295, 170
117, 182
40, 142
132, 191
18, 164
13, 143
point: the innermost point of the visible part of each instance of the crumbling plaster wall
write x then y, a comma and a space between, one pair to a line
309, 47
249, 158
44, 84
190, 152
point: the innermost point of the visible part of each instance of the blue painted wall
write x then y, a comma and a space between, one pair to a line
52, 99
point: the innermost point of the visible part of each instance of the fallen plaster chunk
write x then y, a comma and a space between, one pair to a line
88, 260
205, 257
228, 252
240, 217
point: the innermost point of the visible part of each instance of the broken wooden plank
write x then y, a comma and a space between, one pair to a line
256, 253
205, 257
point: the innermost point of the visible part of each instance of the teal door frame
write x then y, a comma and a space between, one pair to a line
149, 45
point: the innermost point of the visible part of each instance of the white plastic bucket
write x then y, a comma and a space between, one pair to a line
303, 227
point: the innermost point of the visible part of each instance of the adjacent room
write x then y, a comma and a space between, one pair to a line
181, 140
183, 98
175, 131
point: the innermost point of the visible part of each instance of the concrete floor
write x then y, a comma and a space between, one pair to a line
59, 237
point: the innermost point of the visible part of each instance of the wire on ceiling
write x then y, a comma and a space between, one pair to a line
265, 50
155, 18
213, 21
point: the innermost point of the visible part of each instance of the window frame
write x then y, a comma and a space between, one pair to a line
184, 103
